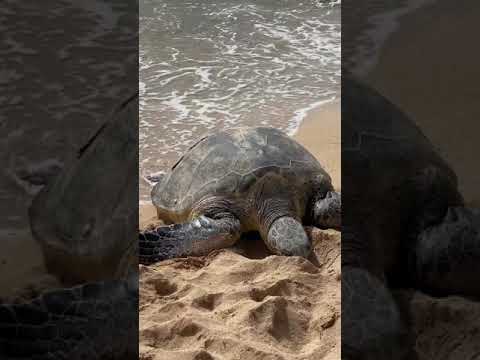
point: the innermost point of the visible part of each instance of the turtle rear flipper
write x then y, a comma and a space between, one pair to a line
198, 237
91, 321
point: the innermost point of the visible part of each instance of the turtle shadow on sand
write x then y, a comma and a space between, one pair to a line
404, 226
251, 246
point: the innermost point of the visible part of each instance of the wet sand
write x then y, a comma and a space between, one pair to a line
429, 68
243, 303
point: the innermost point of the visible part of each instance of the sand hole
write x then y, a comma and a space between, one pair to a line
280, 326
188, 329
207, 302
164, 287
280, 288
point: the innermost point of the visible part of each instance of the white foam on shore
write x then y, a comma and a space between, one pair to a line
235, 64
381, 27
301, 114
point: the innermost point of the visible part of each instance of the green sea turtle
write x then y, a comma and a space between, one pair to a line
404, 224
85, 220
231, 182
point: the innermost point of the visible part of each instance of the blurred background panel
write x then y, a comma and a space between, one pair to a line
69, 100
420, 57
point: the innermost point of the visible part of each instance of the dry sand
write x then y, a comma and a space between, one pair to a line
244, 303
429, 68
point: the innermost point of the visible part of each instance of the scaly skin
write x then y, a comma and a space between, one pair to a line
327, 211
286, 236
281, 231
198, 237
447, 255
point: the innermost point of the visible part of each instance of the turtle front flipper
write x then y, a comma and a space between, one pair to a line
286, 236
92, 321
447, 256
198, 237
372, 324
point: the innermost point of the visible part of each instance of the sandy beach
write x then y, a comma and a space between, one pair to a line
243, 303
429, 68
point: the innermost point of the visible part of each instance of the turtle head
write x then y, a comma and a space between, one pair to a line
163, 199
327, 211
458, 221
83, 218
446, 256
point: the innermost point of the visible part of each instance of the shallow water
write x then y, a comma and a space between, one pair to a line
217, 64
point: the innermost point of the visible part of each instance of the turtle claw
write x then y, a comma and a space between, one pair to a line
157, 245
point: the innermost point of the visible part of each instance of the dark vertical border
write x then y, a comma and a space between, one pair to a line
69, 183
411, 230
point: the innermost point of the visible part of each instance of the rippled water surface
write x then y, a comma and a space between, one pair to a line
215, 64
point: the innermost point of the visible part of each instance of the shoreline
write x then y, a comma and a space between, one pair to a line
320, 133
300, 115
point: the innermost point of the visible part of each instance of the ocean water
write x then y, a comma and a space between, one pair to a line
215, 64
